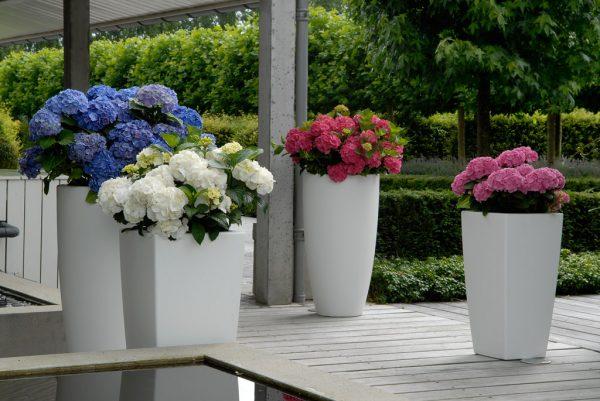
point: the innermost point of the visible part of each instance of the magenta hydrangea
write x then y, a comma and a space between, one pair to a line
481, 167
506, 180
517, 157
458, 185
543, 180
482, 191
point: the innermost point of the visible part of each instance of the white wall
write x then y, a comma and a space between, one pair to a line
33, 254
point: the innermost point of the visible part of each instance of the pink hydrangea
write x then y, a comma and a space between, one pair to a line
543, 180
530, 154
350, 151
369, 136
322, 124
392, 164
381, 124
481, 167
560, 198
327, 142
399, 149
298, 140
375, 160
525, 169
344, 122
506, 180
337, 172
482, 191
356, 168
458, 185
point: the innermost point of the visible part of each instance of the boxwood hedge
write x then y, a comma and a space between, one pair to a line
419, 224
442, 279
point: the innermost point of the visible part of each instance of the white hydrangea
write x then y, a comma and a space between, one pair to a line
170, 228
225, 205
143, 189
254, 176
231, 148
151, 156
113, 194
206, 177
184, 162
167, 204
163, 173
134, 211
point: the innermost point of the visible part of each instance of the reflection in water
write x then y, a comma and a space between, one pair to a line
191, 383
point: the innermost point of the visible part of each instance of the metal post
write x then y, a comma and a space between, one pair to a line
76, 20
301, 116
274, 245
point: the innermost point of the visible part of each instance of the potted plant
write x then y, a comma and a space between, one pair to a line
89, 138
511, 231
181, 262
340, 158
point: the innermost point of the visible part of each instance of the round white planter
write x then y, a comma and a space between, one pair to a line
181, 293
511, 267
340, 230
90, 274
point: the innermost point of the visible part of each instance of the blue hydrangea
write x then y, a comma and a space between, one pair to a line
101, 90
29, 163
130, 138
155, 95
68, 102
123, 111
161, 128
127, 93
100, 113
188, 116
44, 123
86, 146
102, 167
210, 136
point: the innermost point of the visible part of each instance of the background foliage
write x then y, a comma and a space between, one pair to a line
9, 142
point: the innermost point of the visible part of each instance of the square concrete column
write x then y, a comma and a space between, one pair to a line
274, 245
76, 21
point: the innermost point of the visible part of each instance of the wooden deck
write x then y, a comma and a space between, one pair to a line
423, 351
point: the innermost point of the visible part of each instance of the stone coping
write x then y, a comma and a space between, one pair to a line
288, 376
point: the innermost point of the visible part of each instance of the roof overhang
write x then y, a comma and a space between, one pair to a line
25, 21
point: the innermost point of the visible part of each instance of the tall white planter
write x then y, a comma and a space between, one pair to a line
511, 267
181, 293
340, 230
90, 274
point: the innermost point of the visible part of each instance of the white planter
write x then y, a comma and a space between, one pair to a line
90, 274
340, 230
181, 293
511, 267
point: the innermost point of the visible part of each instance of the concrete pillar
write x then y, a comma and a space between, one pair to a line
76, 20
274, 245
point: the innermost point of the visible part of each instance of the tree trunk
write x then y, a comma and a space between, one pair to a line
554, 130
483, 116
462, 151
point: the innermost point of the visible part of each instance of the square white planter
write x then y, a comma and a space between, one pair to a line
511, 267
180, 293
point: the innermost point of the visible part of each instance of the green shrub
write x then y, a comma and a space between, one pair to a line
436, 136
442, 183
9, 142
242, 129
442, 279
419, 224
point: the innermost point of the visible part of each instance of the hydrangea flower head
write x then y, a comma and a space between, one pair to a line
543, 180
123, 111
211, 137
482, 191
188, 116
100, 113
506, 180
156, 95
68, 102
101, 90
458, 185
44, 123
481, 167
130, 138
337, 172
102, 167
298, 140
517, 157
327, 142
127, 93
162, 128
29, 163
86, 146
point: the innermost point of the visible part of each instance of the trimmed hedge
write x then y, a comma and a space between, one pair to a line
420, 224
242, 129
436, 136
437, 183
442, 279
9, 142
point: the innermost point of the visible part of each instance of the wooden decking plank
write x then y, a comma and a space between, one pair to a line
426, 309
553, 395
